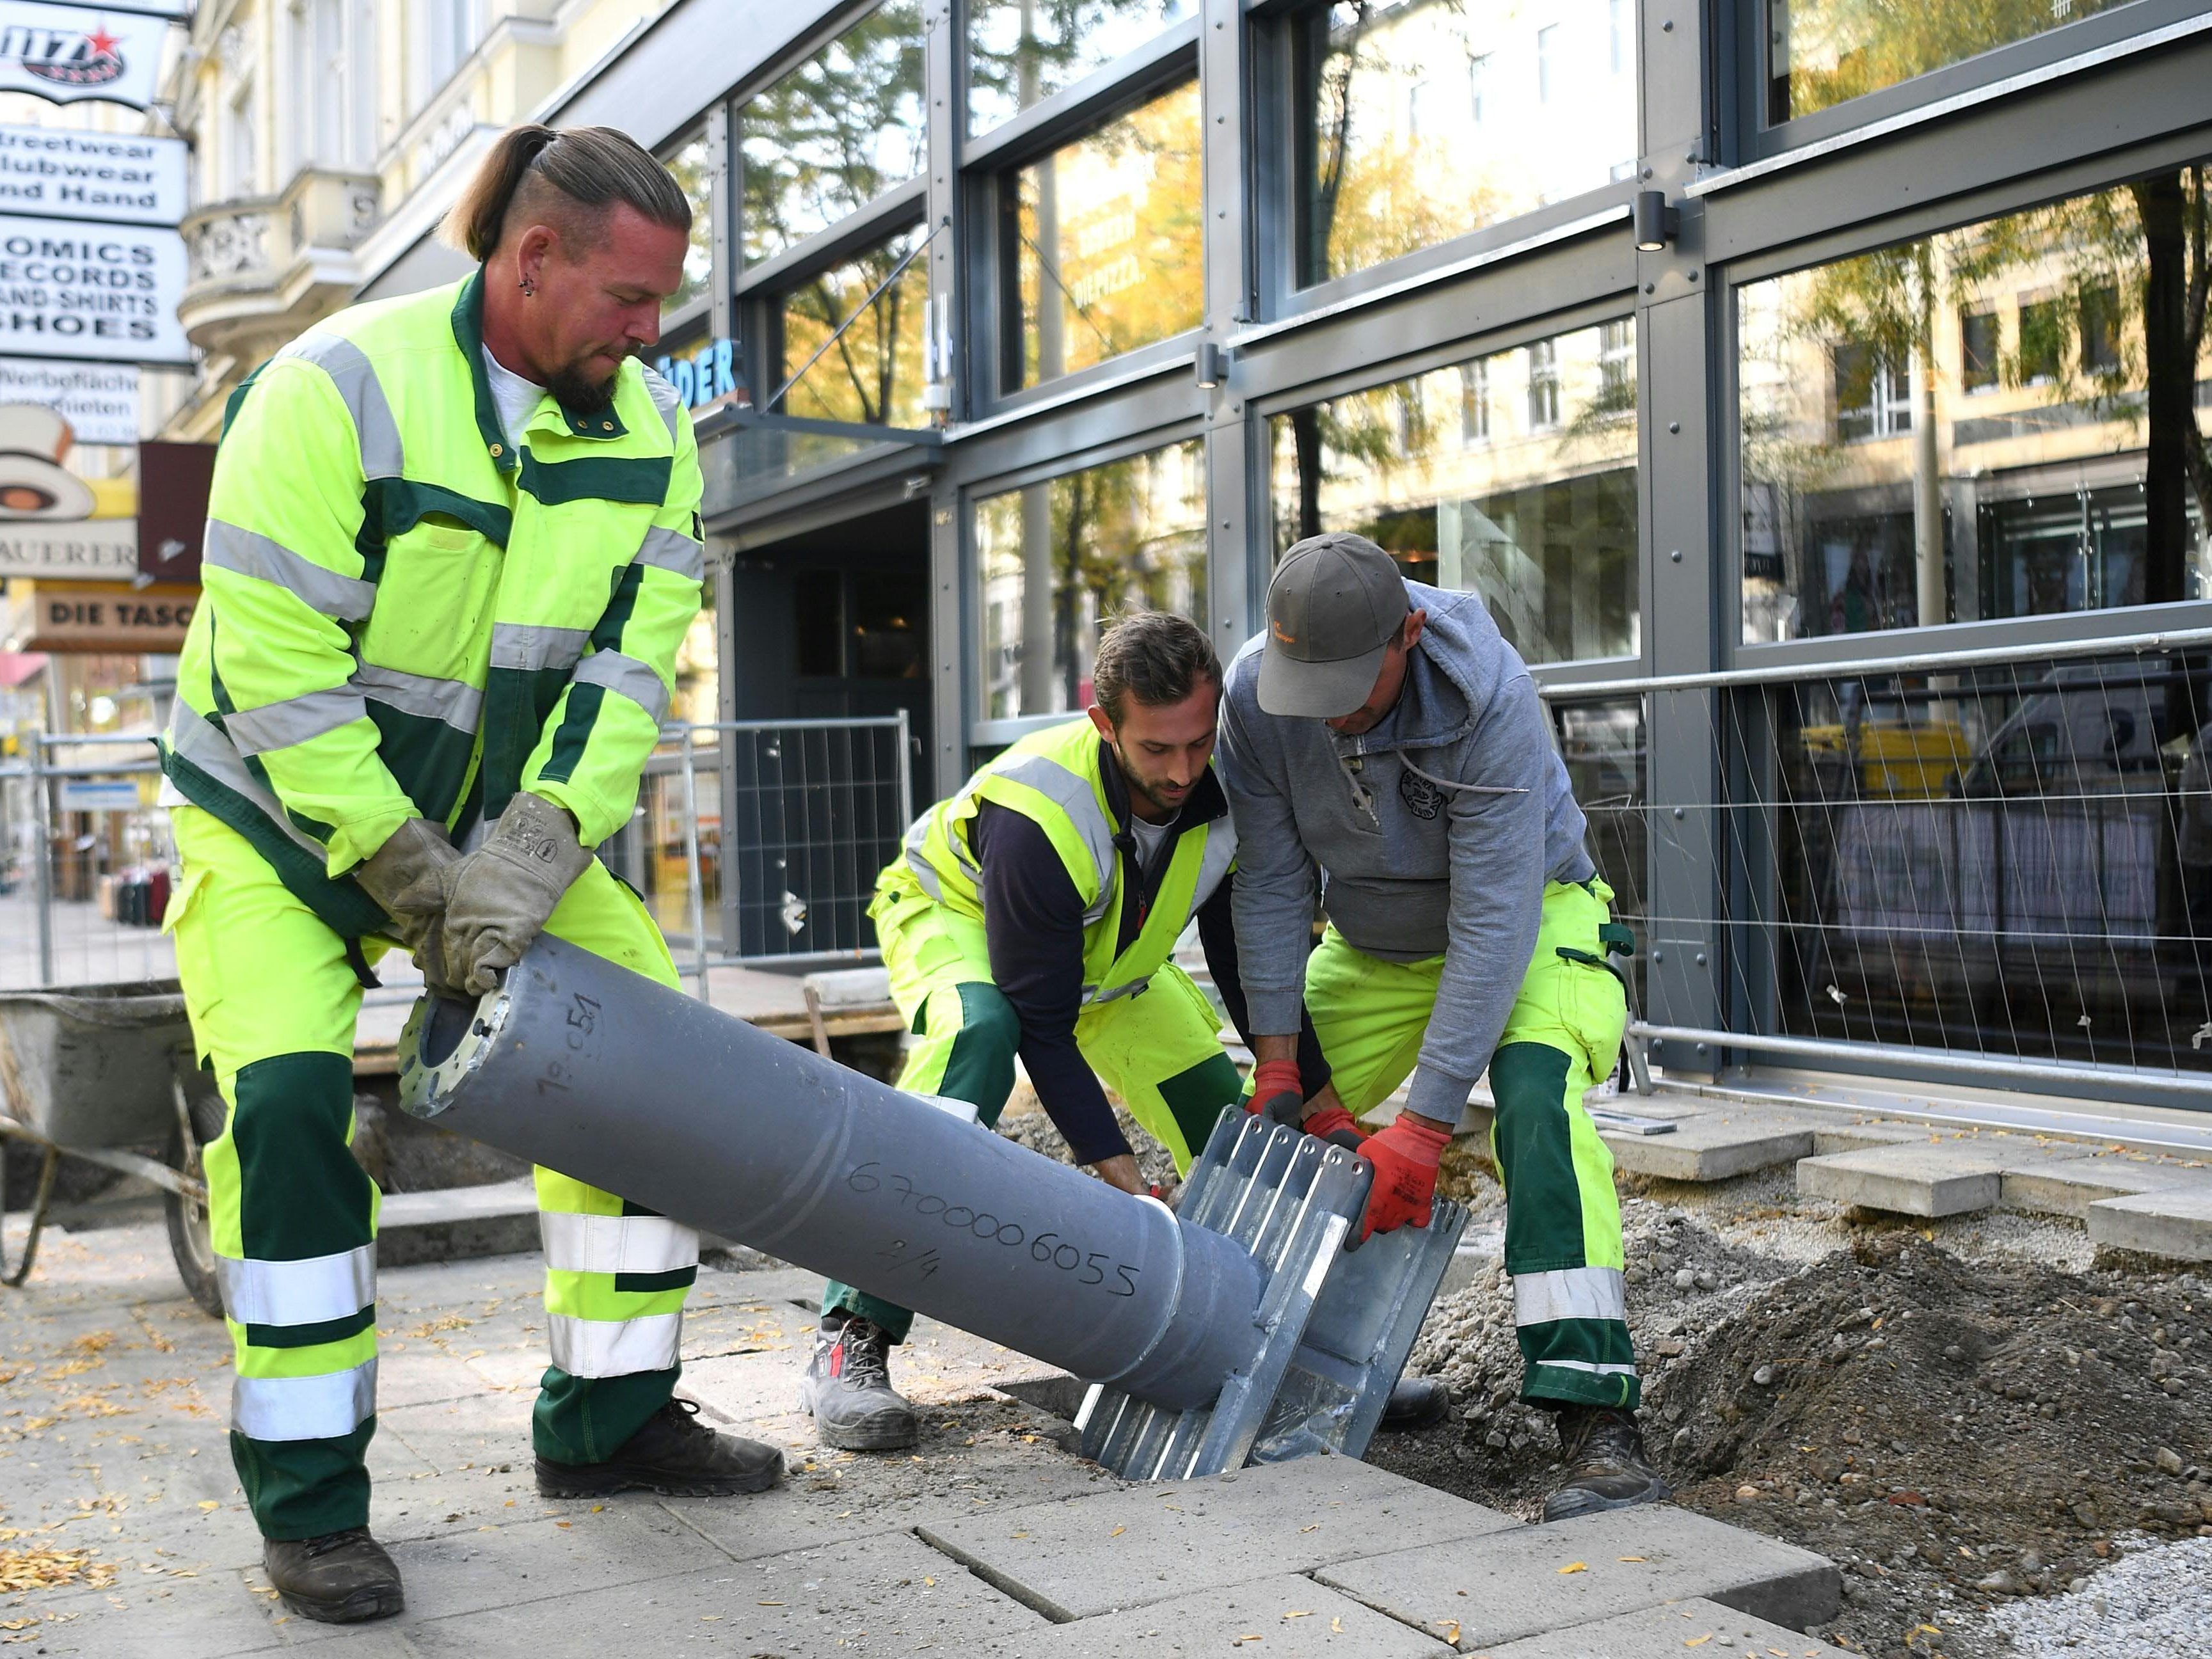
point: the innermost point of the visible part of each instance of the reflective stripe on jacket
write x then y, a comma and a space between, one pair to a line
405, 610
1056, 779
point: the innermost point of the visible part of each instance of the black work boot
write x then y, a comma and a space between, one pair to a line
1415, 1403
1607, 1469
848, 1386
339, 1578
674, 1454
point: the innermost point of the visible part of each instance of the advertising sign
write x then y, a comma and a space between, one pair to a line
103, 292
89, 549
64, 53
101, 403
117, 617
113, 177
53, 523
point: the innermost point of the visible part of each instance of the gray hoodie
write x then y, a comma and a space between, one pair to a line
1432, 834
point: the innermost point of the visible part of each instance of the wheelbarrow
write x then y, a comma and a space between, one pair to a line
99, 1072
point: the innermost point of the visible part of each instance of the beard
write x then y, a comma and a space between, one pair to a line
576, 389
1149, 788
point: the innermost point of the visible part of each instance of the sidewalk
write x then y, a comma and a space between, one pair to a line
116, 1484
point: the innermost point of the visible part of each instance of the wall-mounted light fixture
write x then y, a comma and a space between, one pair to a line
1657, 224
1213, 366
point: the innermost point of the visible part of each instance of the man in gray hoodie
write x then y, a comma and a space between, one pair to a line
1383, 749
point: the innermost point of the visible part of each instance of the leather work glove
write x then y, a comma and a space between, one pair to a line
1405, 1155
406, 878
498, 897
1277, 1092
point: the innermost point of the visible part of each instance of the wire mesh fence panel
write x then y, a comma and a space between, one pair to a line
86, 867
1602, 743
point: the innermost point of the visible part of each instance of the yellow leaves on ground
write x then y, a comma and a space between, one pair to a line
1576, 1566
49, 1569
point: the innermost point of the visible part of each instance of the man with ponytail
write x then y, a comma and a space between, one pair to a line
453, 546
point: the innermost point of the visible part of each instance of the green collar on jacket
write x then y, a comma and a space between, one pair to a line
468, 331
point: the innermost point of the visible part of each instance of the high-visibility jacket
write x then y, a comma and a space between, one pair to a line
1056, 778
407, 611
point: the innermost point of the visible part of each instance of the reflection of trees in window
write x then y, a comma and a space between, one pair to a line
873, 371
1380, 172
835, 133
1103, 241
1022, 51
2108, 295
693, 169
1821, 52
1072, 551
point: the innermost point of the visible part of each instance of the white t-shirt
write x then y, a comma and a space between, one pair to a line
1150, 838
514, 396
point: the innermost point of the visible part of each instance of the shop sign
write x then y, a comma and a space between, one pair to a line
703, 375
99, 401
115, 178
83, 550
47, 527
105, 293
107, 618
99, 795
66, 53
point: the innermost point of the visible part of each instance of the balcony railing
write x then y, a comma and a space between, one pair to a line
262, 268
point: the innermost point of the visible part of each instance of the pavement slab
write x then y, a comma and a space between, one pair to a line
1928, 1178
1663, 1632
1715, 1145
2177, 1225
1283, 1617
1481, 1593
1146, 1544
2071, 1185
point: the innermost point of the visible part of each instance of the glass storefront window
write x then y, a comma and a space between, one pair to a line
1057, 559
1604, 747
1421, 120
836, 133
1820, 53
1022, 51
1987, 422
693, 169
1101, 243
1514, 475
871, 374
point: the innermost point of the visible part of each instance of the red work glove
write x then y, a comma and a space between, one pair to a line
1334, 1125
1404, 1156
1277, 1091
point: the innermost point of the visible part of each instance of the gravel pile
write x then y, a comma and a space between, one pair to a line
2151, 1601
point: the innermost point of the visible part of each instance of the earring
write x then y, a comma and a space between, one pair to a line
529, 288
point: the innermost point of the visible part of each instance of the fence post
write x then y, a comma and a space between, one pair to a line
42, 807
905, 772
696, 887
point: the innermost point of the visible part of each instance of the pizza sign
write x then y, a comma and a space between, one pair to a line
64, 53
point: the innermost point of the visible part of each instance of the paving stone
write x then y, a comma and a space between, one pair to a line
1714, 1147
1286, 1617
1508, 1585
1836, 1136
1151, 1543
451, 1224
1927, 1178
141, 1617
1663, 1632
889, 1594
2071, 1185
2175, 1225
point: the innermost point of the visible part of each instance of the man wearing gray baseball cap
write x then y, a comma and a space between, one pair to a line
1384, 750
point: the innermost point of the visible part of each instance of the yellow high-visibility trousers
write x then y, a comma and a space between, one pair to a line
272, 1000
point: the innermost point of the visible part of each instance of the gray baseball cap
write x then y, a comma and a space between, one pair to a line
1336, 603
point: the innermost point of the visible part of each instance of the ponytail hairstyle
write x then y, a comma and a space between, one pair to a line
569, 180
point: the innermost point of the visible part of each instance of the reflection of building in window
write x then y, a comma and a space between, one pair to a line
1543, 385
1513, 475
1616, 358
1056, 559
1874, 396
2024, 459
1021, 52
1548, 43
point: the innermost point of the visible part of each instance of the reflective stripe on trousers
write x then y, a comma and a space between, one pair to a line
304, 1407
615, 1347
310, 1292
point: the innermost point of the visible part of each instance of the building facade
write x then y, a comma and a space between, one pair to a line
1816, 390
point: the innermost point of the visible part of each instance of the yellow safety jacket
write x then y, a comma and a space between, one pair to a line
407, 611
1058, 779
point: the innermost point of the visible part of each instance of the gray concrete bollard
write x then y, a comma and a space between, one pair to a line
598, 1072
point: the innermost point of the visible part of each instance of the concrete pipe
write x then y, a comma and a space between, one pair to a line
598, 1072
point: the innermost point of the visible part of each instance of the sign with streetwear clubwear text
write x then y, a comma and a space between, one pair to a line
64, 53
101, 403
102, 292
118, 178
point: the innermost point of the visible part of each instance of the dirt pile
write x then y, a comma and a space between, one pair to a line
1952, 1433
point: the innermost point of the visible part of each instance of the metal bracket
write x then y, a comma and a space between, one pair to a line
1339, 1324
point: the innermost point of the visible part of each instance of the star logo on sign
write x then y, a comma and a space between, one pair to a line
101, 42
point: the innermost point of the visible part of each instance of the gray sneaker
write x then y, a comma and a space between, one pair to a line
847, 1388
1606, 1468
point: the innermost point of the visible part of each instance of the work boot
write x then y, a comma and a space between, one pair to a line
1607, 1469
674, 1454
337, 1578
848, 1386
1415, 1403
